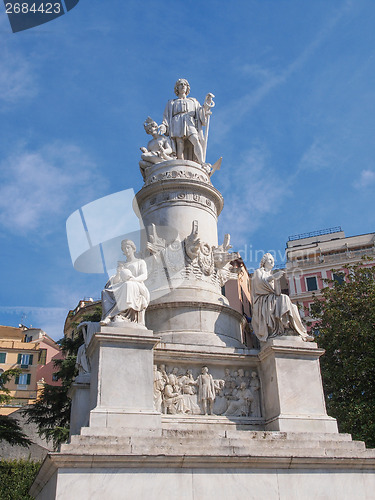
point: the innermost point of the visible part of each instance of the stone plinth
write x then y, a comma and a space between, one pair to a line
121, 392
292, 386
79, 393
212, 466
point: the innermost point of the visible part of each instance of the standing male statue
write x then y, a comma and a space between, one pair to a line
183, 120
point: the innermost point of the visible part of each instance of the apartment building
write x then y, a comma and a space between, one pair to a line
314, 257
32, 351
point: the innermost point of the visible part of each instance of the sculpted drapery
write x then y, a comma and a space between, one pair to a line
125, 294
272, 312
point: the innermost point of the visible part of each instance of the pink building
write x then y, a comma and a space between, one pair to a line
314, 257
48, 352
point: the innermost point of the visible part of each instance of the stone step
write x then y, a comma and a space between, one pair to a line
193, 445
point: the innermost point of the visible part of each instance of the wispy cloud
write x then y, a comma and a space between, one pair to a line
251, 190
49, 319
318, 156
17, 80
237, 109
37, 186
366, 179
17, 74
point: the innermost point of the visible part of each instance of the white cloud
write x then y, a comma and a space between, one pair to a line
17, 73
251, 190
318, 156
37, 186
49, 319
17, 81
366, 179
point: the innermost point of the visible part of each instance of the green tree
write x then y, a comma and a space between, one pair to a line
345, 328
51, 412
16, 478
10, 429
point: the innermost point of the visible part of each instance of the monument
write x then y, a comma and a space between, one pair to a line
170, 402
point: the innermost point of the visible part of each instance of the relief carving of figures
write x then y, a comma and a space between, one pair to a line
158, 149
240, 405
273, 312
206, 391
178, 392
125, 296
183, 121
255, 389
173, 400
159, 384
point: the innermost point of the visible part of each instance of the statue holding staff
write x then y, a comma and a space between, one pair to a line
183, 121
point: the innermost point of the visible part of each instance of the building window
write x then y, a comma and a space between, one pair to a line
25, 360
340, 278
23, 379
311, 283
3, 356
42, 357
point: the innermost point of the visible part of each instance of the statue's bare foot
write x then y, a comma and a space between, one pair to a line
308, 338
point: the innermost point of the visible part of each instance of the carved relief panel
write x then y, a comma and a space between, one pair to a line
190, 391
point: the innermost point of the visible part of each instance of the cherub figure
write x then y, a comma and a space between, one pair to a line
158, 149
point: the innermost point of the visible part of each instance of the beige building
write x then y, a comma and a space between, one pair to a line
16, 353
33, 352
314, 257
76, 316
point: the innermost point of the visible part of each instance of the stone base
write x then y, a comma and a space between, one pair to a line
231, 465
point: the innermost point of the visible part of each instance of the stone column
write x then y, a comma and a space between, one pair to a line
186, 306
292, 387
121, 392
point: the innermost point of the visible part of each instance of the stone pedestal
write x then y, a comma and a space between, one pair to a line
80, 395
292, 387
234, 422
121, 393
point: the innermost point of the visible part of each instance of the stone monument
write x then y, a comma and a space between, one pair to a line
170, 401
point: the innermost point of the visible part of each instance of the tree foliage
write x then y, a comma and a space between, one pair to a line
51, 412
10, 429
345, 328
16, 478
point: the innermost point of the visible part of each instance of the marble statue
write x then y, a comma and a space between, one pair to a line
173, 400
255, 389
125, 296
273, 312
184, 119
206, 391
159, 384
158, 149
235, 394
88, 329
240, 405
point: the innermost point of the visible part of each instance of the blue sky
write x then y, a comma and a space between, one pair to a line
294, 121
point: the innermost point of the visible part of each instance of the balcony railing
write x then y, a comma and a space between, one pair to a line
339, 258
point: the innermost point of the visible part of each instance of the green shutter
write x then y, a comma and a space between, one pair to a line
17, 379
19, 359
28, 379
31, 359
2, 357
